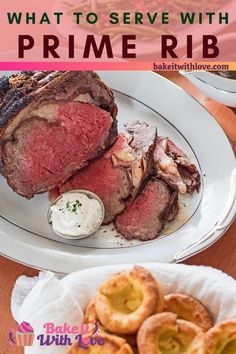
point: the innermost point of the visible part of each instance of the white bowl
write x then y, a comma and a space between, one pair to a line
220, 89
89, 195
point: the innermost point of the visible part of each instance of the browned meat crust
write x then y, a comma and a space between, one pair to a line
31, 89
172, 208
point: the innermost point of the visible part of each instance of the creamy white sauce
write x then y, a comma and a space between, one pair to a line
75, 214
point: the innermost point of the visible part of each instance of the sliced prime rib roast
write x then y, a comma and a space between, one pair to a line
117, 176
173, 166
142, 144
52, 124
145, 217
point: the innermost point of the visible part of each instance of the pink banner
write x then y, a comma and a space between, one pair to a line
116, 31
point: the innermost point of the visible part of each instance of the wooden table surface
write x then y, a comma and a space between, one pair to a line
221, 255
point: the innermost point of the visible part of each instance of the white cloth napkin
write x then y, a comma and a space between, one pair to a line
48, 301
63, 301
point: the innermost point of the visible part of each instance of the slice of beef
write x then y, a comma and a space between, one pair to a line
111, 183
117, 176
188, 171
173, 166
172, 208
145, 217
52, 124
166, 168
142, 144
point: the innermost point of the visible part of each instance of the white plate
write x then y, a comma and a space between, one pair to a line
27, 238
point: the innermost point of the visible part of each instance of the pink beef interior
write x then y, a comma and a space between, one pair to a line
142, 219
111, 184
44, 154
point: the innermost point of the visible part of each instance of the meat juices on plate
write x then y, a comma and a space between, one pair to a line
51, 125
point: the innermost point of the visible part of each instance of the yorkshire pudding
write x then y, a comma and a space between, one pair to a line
164, 334
189, 309
91, 315
126, 299
90, 312
221, 339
